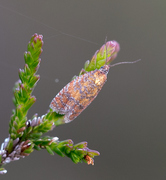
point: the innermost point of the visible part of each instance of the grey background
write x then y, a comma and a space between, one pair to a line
126, 122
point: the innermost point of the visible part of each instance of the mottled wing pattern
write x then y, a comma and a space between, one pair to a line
79, 93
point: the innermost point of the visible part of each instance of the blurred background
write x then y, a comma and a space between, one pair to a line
126, 123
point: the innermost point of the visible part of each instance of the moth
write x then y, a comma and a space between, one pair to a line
80, 92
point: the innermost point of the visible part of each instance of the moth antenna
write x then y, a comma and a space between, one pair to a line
116, 64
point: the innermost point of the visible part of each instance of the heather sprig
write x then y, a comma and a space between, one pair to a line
105, 55
25, 135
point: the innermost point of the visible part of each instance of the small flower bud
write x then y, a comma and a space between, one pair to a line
89, 160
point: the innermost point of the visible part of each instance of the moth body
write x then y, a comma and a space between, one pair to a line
79, 93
